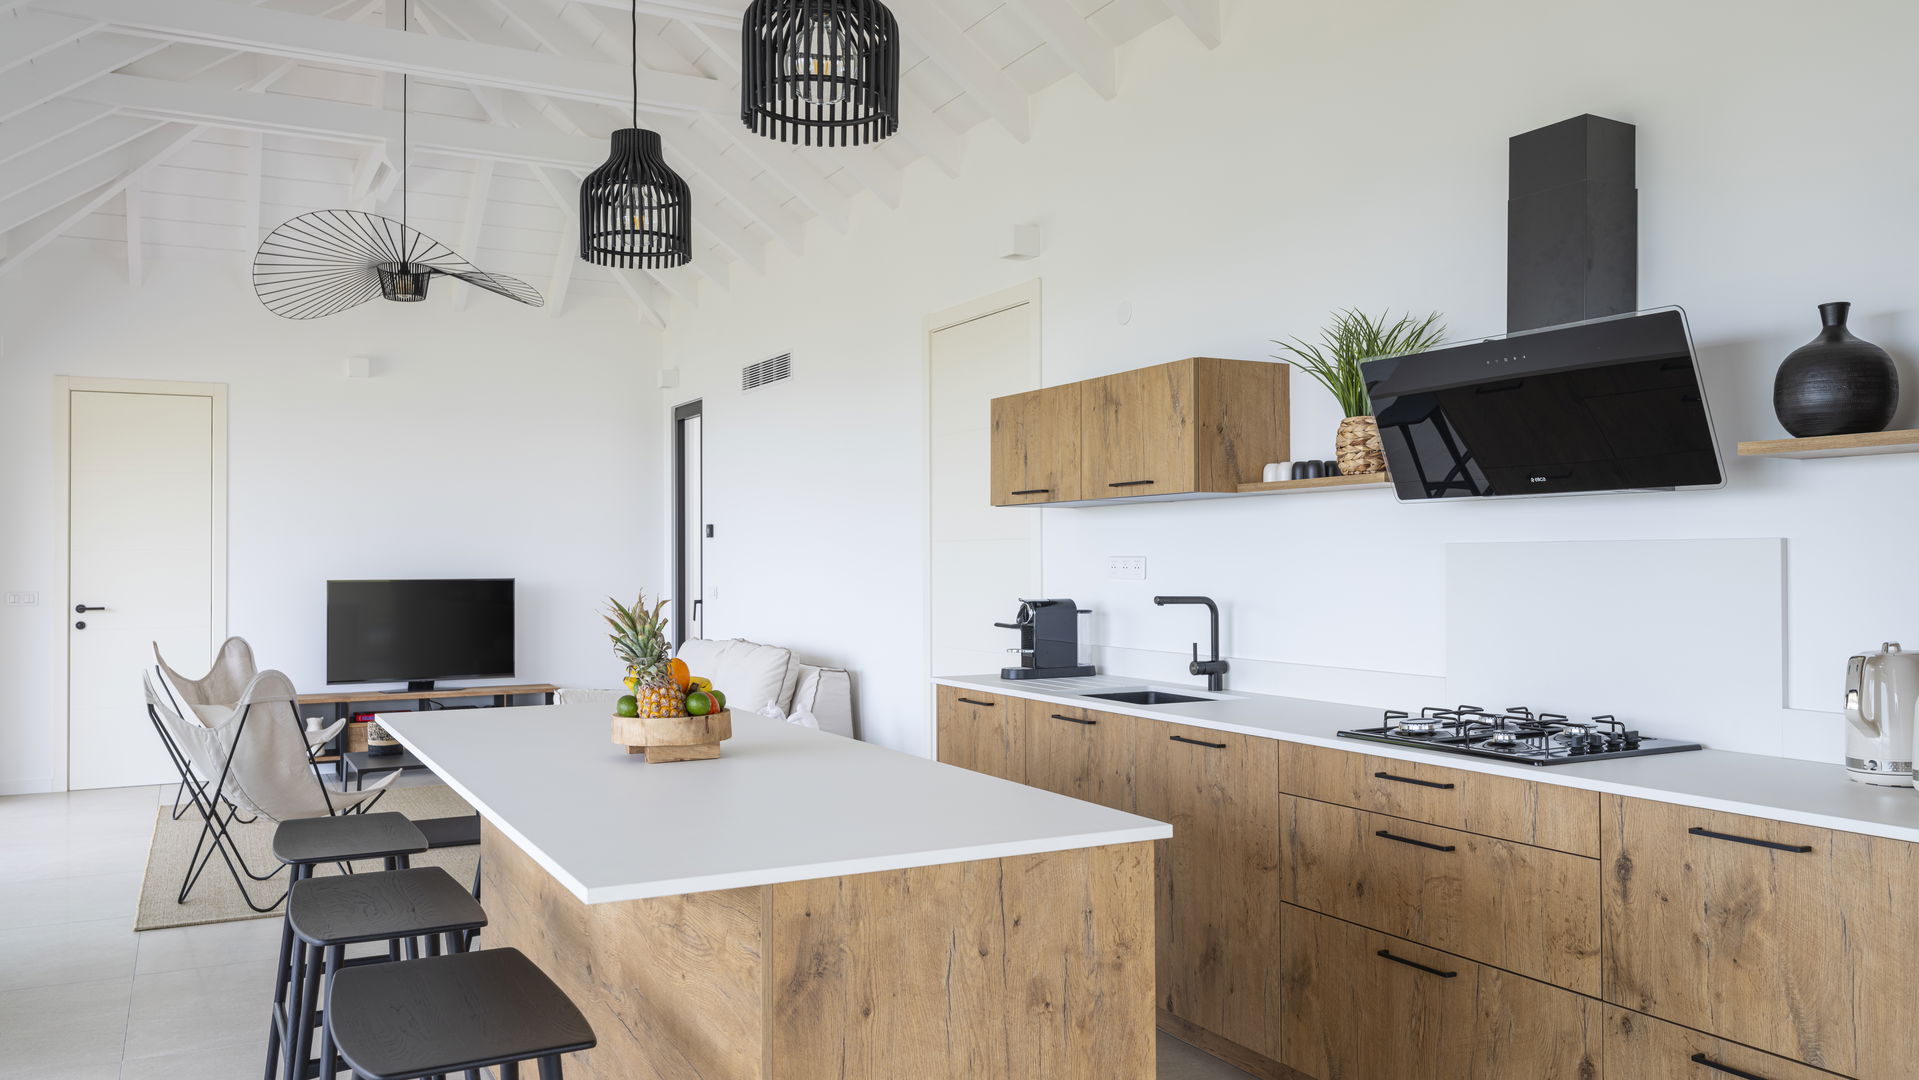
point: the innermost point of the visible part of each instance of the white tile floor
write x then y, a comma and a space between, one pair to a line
82, 997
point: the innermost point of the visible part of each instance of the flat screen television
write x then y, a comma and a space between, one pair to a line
419, 630
1614, 404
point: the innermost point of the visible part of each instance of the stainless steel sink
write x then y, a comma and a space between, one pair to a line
1147, 697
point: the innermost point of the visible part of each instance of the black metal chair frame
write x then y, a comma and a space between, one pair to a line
218, 813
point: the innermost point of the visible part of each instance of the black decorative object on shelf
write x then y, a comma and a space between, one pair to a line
1835, 384
328, 261
820, 72
635, 211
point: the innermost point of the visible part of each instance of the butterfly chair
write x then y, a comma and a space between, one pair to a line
232, 669
243, 760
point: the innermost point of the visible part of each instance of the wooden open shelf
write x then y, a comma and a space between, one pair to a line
1323, 483
1873, 442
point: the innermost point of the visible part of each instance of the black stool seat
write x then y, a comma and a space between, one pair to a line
355, 908
346, 838
445, 1014
462, 831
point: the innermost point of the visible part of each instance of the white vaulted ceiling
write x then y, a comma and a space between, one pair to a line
198, 125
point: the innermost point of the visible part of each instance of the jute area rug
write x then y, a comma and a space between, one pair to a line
217, 899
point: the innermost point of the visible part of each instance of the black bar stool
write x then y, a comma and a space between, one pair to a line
303, 844
456, 1013
328, 914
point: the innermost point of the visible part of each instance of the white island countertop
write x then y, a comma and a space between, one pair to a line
1785, 789
781, 803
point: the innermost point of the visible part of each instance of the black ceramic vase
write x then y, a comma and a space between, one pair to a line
1835, 384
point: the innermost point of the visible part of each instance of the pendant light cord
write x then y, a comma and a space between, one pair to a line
406, 26
636, 63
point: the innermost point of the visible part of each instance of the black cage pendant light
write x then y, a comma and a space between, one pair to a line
820, 72
327, 261
634, 210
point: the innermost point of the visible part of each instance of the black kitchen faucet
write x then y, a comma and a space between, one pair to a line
1214, 669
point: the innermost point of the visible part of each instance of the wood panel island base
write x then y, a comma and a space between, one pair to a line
1033, 965
808, 907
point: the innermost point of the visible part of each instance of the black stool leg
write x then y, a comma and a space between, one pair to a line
329, 1063
282, 976
550, 1067
510, 1070
300, 1040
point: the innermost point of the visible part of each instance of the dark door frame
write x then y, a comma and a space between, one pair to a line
681, 414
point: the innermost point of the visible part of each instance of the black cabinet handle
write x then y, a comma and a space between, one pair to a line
1388, 954
1132, 483
1416, 843
970, 701
1701, 1059
1035, 491
1074, 719
1796, 849
1196, 742
1410, 780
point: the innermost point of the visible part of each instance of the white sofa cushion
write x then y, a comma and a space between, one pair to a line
826, 694
749, 674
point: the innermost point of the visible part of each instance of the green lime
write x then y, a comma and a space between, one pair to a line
699, 703
719, 700
627, 706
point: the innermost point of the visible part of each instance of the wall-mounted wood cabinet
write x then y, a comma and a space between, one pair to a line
1197, 425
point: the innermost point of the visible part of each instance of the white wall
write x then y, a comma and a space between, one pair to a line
1331, 155
491, 442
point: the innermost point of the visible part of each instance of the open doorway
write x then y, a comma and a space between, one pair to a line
690, 530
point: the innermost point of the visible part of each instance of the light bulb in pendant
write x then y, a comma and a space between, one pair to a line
825, 61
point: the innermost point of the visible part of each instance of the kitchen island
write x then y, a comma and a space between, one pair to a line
806, 906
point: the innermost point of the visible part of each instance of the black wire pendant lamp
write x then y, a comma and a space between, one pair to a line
820, 72
635, 212
328, 261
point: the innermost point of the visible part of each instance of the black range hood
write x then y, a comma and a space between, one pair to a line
1613, 404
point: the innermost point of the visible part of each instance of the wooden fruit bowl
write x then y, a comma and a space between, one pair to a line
674, 738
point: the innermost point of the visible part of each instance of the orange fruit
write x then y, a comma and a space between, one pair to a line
682, 675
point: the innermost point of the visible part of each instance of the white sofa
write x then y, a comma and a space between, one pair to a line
751, 675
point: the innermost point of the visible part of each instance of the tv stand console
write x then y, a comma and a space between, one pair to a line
341, 704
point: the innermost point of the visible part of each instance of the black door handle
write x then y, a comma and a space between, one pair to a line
1701, 1059
84, 608
1415, 843
1796, 849
970, 701
1388, 954
1410, 780
81, 625
1196, 742
1074, 719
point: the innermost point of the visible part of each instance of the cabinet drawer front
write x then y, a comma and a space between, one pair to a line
1511, 808
1361, 1005
982, 732
1218, 896
1641, 1048
1081, 753
1795, 940
1525, 909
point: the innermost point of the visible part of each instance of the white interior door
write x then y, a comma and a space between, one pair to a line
144, 548
984, 559
693, 540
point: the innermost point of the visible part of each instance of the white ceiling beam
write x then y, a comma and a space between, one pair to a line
716, 13
565, 257
479, 192
26, 34
928, 24
923, 130
23, 242
75, 148
647, 293
44, 123
1200, 16
16, 210
73, 64
1067, 33
779, 162
333, 41
136, 244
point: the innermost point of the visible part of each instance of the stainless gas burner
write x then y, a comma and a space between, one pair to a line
1517, 734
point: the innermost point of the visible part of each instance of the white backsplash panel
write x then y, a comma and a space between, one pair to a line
1682, 639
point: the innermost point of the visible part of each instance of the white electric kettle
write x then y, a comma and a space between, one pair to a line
1882, 704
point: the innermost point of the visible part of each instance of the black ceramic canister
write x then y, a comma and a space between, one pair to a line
1835, 384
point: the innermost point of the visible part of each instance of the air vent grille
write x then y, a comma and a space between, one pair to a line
754, 376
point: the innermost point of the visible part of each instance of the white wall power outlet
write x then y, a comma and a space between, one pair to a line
1126, 567
22, 599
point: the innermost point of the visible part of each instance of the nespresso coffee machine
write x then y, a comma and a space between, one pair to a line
1048, 641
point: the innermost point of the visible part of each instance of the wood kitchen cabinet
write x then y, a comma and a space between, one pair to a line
1361, 1005
1218, 877
1642, 1048
982, 732
1080, 752
1791, 939
1201, 424
1527, 909
1036, 446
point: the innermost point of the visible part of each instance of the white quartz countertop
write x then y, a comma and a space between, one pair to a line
1785, 789
781, 803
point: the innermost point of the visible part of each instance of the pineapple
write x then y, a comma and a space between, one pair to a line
639, 639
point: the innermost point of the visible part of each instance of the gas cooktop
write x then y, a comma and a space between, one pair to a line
1518, 735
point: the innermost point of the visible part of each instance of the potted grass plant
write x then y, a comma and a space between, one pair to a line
1351, 337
